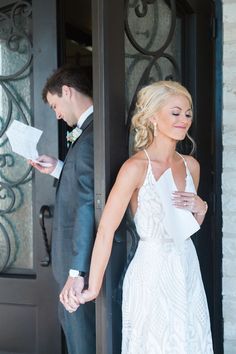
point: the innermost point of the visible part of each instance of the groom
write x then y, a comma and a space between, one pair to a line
68, 93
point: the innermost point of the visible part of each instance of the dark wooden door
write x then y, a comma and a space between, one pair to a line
136, 42
28, 294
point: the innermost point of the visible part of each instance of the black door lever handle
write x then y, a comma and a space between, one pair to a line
45, 213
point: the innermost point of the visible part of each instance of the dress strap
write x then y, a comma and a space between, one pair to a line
182, 159
147, 155
185, 163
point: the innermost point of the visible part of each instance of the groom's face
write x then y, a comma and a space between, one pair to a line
62, 107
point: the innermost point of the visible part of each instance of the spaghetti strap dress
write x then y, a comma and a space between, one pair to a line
164, 307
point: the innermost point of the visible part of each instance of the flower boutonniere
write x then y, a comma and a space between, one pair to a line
73, 135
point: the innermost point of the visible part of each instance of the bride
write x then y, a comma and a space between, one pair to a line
164, 306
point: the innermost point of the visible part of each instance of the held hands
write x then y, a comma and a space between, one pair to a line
46, 164
189, 201
70, 295
89, 295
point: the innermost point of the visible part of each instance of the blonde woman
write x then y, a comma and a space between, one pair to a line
164, 303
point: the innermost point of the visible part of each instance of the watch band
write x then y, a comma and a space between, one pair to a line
76, 273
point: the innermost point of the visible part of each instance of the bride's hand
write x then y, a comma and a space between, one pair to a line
87, 295
189, 201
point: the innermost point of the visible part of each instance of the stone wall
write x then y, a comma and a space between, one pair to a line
229, 175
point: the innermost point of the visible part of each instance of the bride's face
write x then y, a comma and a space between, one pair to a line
174, 118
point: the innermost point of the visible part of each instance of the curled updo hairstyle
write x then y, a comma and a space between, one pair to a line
150, 100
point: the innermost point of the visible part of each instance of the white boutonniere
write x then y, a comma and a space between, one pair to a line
73, 135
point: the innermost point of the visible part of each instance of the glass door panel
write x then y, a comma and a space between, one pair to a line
28, 55
16, 217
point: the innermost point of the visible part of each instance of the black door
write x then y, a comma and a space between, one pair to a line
164, 39
28, 295
159, 39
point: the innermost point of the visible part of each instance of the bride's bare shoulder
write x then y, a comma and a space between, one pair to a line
137, 161
135, 166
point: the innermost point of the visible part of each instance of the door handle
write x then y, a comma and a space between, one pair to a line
45, 213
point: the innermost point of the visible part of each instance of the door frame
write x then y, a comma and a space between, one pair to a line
45, 42
109, 152
109, 105
218, 325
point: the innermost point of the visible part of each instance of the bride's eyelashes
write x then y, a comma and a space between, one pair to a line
188, 115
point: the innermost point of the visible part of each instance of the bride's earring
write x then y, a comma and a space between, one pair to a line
155, 129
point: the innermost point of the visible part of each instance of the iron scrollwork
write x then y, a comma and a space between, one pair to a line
141, 11
15, 174
150, 57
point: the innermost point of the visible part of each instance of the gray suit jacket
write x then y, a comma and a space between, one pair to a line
74, 225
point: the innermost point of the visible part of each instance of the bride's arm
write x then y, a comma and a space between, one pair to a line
126, 183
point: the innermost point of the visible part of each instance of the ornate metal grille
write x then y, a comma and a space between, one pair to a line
152, 53
152, 45
15, 103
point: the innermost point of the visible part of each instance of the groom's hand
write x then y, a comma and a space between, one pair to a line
44, 164
70, 293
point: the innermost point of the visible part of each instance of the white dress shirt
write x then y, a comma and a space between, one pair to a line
57, 170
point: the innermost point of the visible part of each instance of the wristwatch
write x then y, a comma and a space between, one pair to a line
76, 273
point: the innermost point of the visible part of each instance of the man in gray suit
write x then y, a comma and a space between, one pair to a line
68, 93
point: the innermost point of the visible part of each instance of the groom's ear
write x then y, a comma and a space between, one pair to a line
66, 91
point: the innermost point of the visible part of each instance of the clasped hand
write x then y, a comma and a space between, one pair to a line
73, 294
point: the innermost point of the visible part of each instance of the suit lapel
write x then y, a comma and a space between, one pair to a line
84, 126
87, 123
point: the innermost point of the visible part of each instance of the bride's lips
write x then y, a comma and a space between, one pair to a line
180, 126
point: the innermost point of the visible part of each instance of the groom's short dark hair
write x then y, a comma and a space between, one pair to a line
70, 75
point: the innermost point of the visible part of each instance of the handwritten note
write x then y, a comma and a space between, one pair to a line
24, 139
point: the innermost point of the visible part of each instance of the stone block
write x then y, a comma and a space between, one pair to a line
229, 250
229, 134
229, 33
229, 115
229, 346
228, 180
229, 330
228, 2
229, 72
229, 200
229, 267
229, 10
229, 96
229, 287
229, 308
229, 51
229, 157
229, 235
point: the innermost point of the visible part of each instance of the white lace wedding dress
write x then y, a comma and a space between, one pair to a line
164, 304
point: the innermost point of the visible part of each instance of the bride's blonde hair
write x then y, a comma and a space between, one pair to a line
150, 100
